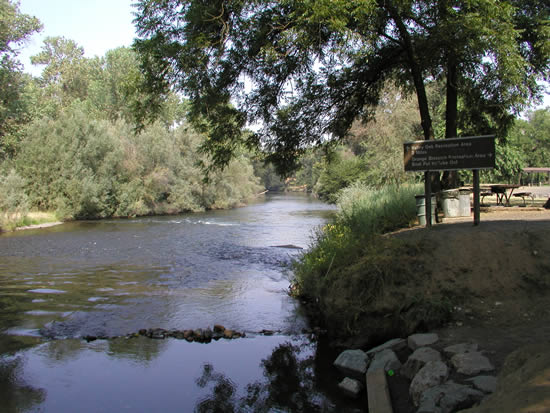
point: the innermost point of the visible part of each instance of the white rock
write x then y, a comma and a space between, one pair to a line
385, 359
471, 363
351, 387
420, 340
418, 359
448, 397
432, 374
487, 384
352, 363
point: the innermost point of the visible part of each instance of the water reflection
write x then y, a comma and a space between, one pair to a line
16, 395
289, 385
261, 374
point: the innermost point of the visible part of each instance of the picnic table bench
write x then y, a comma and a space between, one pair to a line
524, 195
484, 194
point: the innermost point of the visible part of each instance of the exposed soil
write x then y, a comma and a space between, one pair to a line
501, 272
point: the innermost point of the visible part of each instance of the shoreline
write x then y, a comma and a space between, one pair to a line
39, 226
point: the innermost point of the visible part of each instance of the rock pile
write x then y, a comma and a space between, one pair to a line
440, 381
198, 335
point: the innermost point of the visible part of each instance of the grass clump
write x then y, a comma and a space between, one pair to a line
357, 278
364, 214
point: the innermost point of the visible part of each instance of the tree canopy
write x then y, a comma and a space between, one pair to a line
15, 29
305, 70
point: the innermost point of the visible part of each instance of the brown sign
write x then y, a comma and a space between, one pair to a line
475, 152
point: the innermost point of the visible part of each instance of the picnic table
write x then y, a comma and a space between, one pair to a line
503, 192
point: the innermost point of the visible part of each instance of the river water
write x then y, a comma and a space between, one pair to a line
112, 278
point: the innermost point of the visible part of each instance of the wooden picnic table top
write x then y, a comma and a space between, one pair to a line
504, 186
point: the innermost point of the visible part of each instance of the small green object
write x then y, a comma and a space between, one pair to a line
390, 373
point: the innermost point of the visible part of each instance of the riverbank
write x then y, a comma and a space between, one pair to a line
496, 280
30, 220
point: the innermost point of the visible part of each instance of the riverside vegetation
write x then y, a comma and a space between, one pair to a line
356, 280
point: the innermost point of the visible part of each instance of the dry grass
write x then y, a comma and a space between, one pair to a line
11, 222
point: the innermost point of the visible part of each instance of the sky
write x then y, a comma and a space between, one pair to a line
96, 25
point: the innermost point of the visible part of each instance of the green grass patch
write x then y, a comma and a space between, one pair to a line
354, 275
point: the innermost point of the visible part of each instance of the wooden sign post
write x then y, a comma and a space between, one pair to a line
473, 152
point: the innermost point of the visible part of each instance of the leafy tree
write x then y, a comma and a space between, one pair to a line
15, 29
533, 137
67, 74
306, 70
341, 170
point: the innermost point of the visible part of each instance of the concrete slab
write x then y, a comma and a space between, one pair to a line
378, 392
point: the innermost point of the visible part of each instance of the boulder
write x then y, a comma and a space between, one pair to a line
385, 359
432, 374
471, 363
448, 397
487, 384
207, 334
460, 348
157, 333
420, 340
351, 387
352, 363
396, 344
521, 383
218, 328
418, 359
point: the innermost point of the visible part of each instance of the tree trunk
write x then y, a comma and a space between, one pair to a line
416, 74
450, 178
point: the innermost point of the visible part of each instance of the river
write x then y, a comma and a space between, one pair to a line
111, 278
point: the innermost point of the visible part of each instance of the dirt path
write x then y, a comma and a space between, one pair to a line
502, 270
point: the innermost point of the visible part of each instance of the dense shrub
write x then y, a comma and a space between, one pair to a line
92, 168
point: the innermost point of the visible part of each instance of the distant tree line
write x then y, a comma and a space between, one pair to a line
112, 135
69, 139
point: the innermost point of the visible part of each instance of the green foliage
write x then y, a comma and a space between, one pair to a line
66, 75
312, 68
14, 203
339, 172
15, 29
350, 262
532, 136
86, 168
509, 162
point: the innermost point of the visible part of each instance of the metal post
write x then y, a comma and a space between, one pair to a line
476, 197
428, 200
